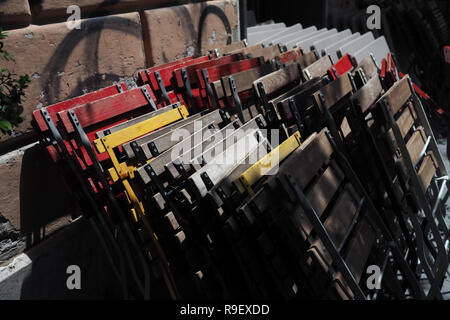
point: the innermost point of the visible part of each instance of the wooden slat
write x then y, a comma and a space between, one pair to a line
101, 110
191, 70
215, 73
268, 53
337, 224
303, 99
398, 95
335, 91
306, 59
378, 48
196, 150
355, 45
143, 74
368, 66
359, 248
244, 80
228, 183
247, 50
210, 153
71, 103
219, 168
133, 121
319, 196
266, 27
278, 79
321, 44
318, 68
332, 49
289, 55
267, 163
231, 47
415, 144
159, 162
166, 141
310, 156
325, 188
167, 71
406, 119
358, 251
427, 170
153, 135
368, 94
218, 89
345, 127
340, 218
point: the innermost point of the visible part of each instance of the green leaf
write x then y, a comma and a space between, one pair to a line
5, 125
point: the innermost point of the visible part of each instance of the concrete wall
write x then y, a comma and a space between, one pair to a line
41, 272
116, 38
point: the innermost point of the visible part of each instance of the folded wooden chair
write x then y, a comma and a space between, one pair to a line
317, 69
40, 123
275, 84
328, 223
160, 78
238, 92
421, 172
365, 70
210, 75
187, 81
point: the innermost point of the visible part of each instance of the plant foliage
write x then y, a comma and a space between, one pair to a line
12, 87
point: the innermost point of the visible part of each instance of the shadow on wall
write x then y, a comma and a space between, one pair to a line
46, 204
75, 245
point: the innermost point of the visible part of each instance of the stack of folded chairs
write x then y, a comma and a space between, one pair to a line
295, 164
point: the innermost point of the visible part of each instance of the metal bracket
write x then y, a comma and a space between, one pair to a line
221, 194
179, 167
140, 155
280, 47
217, 53
187, 85
148, 97
201, 161
154, 178
207, 181
308, 74
277, 64
352, 81
265, 102
225, 118
294, 110
259, 122
147, 72
316, 54
162, 87
119, 87
331, 123
153, 149
237, 100
261, 60
209, 91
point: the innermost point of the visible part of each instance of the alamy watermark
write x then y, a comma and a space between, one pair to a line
374, 20
73, 281
227, 147
374, 280
74, 20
